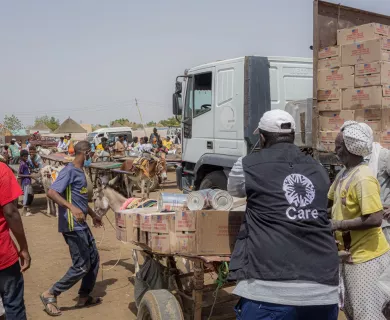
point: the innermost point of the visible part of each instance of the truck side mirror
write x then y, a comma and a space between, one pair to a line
176, 104
178, 87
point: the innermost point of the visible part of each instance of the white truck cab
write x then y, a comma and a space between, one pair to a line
221, 104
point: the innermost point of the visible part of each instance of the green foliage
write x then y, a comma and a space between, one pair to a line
51, 122
170, 122
12, 123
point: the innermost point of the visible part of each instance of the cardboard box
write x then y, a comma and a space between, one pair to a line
367, 68
377, 136
364, 52
185, 242
386, 43
333, 120
371, 117
329, 52
386, 91
335, 78
329, 63
215, 232
163, 243
362, 98
385, 102
368, 80
361, 33
163, 222
125, 229
385, 119
146, 222
163, 233
380, 74
145, 238
385, 136
385, 56
329, 94
327, 146
185, 221
330, 105
328, 136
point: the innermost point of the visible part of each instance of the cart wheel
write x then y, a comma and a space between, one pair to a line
154, 184
159, 305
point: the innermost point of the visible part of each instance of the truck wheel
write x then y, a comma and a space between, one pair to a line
159, 305
214, 180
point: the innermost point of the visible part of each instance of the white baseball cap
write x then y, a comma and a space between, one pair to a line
278, 121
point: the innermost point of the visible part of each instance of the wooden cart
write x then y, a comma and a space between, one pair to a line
58, 158
195, 301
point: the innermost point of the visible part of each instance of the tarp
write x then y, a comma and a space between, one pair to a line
70, 126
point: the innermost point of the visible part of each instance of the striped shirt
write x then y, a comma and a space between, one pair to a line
72, 185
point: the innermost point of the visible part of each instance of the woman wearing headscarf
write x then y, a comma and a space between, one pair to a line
356, 218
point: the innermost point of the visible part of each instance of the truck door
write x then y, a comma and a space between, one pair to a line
198, 118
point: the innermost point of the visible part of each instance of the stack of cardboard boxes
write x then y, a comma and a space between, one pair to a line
204, 232
353, 83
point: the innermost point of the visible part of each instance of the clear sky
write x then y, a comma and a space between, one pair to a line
89, 59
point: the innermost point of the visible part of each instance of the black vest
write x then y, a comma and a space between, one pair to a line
286, 234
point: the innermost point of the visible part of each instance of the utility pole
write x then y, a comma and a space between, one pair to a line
140, 116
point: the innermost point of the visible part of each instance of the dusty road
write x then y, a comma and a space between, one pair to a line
50, 260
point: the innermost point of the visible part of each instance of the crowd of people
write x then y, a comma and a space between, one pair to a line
122, 147
307, 247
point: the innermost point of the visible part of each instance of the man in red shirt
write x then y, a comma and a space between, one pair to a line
11, 277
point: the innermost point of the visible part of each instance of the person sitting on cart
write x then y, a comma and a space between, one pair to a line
61, 144
119, 148
285, 259
34, 160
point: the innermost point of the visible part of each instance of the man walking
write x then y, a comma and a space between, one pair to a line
70, 192
285, 259
11, 277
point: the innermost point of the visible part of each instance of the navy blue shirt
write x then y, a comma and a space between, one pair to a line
71, 183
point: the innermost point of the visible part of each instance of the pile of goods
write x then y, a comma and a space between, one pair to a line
203, 222
353, 83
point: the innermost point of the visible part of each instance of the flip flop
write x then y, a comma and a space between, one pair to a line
53, 302
91, 301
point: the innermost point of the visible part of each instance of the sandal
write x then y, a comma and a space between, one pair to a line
91, 301
53, 302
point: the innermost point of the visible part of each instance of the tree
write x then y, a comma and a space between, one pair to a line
151, 124
121, 121
12, 122
52, 123
170, 122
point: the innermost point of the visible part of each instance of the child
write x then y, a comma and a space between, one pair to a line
25, 178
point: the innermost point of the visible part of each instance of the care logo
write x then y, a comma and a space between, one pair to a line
299, 192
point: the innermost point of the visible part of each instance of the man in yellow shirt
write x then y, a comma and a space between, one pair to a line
357, 214
167, 143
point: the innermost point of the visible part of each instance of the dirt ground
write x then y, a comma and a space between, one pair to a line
50, 261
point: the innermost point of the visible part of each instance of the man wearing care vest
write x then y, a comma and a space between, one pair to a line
285, 259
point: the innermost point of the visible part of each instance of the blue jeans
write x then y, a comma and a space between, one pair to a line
12, 291
85, 258
255, 310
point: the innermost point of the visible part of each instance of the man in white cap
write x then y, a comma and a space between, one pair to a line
285, 257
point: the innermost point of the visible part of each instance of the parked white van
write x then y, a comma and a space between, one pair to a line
110, 134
